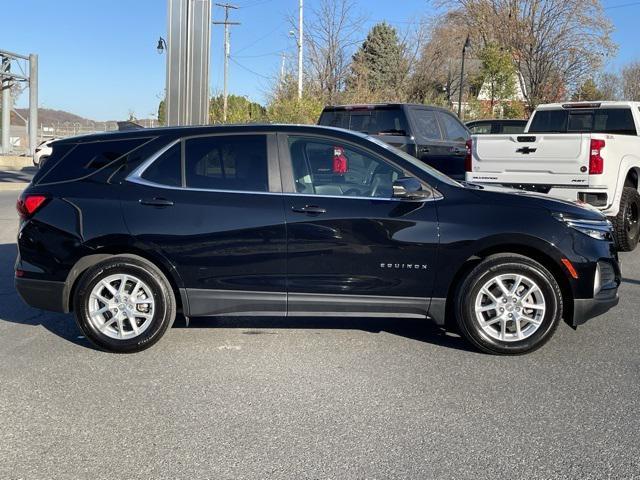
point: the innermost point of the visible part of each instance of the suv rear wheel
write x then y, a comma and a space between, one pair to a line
124, 304
508, 304
626, 225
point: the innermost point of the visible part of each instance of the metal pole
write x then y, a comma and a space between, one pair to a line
300, 47
226, 64
5, 86
461, 85
33, 103
464, 49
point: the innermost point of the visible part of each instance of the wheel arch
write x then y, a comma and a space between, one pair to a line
631, 179
535, 253
88, 261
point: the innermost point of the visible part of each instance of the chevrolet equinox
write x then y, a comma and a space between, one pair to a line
125, 229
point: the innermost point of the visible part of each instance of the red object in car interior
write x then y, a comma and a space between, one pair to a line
340, 165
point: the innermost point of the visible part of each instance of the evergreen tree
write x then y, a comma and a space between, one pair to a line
587, 91
380, 65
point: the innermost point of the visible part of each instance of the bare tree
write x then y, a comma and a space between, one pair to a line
610, 86
631, 81
555, 44
331, 34
436, 72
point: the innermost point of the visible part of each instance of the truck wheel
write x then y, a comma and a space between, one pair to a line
508, 304
626, 225
124, 304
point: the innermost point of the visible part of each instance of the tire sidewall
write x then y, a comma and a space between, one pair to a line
163, 308
630, 197
476, 280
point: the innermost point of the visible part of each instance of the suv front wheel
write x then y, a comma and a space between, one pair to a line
124, 304
508, 304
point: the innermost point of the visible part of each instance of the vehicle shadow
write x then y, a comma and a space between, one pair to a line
14, 310
415, 329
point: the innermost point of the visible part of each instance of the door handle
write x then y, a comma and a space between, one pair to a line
458, 150
310, 209
156, 202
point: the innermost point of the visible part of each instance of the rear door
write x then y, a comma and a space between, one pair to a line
351, 247
455, 136
212, 206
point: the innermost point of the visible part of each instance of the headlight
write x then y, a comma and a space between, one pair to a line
598, 229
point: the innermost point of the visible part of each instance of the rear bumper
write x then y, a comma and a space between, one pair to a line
43, 294
587, 308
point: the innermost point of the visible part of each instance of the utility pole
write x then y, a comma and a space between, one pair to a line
282, 65
300, 52
467, 44
226, 24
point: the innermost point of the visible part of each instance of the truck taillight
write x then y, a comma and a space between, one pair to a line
596, 162
27, 205
467, 156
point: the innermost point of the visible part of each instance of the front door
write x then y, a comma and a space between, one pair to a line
210, 206
352, 248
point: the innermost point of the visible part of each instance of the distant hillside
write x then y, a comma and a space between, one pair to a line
47, 116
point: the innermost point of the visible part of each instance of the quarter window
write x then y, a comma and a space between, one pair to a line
322, 167
452, 127
166, 169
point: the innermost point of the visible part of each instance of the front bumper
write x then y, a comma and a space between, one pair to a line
43, 294
587, 308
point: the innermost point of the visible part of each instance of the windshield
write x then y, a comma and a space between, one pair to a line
437, 174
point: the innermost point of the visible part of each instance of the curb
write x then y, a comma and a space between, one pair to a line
13, 186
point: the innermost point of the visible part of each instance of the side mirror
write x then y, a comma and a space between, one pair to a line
409, 188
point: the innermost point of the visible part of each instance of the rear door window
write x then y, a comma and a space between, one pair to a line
234, 162
85, 159
426, 124
452, 128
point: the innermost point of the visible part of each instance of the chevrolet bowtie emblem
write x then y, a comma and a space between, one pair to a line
526, 150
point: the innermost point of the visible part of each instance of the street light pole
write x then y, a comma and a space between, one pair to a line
467, 44
300, 52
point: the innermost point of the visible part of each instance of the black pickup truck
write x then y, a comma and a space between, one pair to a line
431, 134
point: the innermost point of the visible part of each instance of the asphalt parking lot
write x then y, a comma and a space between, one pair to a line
315, 399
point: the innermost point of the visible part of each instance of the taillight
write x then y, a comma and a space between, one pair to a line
467, 156
596, 162
27, 205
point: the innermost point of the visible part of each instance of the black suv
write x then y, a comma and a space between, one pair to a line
125, 229
431, 134
504, 126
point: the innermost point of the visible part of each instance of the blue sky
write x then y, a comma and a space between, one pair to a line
98, 58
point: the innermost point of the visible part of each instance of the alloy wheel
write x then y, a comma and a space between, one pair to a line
510, 307
121, 306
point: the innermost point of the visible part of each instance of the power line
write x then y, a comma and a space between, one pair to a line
249, 70
632, 4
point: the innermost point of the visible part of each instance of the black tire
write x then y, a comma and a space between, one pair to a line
164, 310
626, 225
510, 264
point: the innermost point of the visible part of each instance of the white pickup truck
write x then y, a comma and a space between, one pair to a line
582, 151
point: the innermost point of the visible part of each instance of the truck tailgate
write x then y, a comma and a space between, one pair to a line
536, 159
